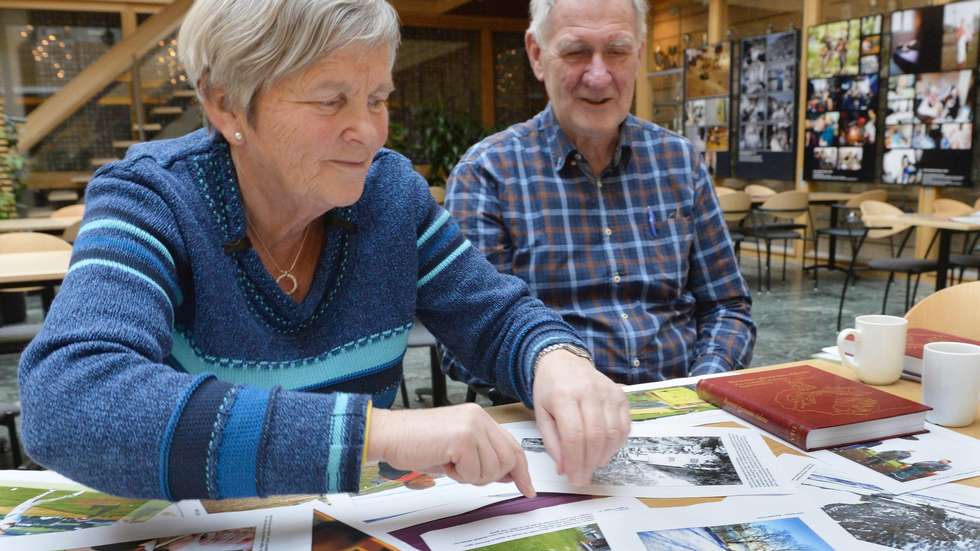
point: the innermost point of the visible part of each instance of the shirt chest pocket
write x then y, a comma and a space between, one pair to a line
666, 255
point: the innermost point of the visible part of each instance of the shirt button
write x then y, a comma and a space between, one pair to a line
636, 362
607, 231
625, 316
598, 182
617, 278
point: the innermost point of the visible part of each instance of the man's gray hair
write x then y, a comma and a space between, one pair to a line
244, 46
540, 9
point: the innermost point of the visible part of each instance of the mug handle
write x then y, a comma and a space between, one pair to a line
841, 338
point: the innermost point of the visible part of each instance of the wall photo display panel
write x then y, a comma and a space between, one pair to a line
842, 100
766, 114
707, 76
929, 120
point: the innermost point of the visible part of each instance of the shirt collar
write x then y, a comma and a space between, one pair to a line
561, 147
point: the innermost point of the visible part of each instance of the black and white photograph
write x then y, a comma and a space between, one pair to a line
945, 517
781, 48
695, 113
659, 461
752, 137
781, 109
779, 137
782, 79
752, 109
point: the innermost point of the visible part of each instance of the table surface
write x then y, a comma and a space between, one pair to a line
37, 224
34, 267
906, 389
816, 197
939, 221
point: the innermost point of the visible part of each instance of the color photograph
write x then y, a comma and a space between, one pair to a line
901, 166
945, 97
665, 402
717, 139
850, 158
716, 112
823, 95
898, 136
956, 136
900, 111
859, 93
822, 131
826, 157
329, 534
916, 45
774, 535
961, 21
28, 511
708, 71
241, 539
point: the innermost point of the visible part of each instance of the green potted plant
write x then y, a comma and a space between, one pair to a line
434, 138
12, 166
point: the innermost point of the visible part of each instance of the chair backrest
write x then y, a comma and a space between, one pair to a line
735, 206
29, 242
722, 190
976, 205
71, 232
870, 195
953, 310
786, 204
71, 211
871, 209
758, 190
951, 207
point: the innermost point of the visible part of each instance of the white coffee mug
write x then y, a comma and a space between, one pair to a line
950, 382
879, 348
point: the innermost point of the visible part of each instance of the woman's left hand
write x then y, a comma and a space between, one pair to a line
583, 415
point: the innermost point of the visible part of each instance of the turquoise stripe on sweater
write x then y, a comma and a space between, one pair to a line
341, 365
130, 229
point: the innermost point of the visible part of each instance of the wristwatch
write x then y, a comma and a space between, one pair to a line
573, 348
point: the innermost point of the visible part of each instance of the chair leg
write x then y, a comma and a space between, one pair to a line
439, 397
768, 264
11, 423
915, 290
908, 290
884, 301
785, 254
405, 402
816, 265
847, 279
758, 261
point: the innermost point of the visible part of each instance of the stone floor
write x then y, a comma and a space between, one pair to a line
794, 321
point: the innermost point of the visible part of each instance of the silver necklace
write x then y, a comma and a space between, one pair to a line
288, 273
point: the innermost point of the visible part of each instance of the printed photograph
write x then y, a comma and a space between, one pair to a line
871, 24
782, 79
857, 128
926, 136
708, 70
822, 131
895, 460
899, 111
695, 113
871, 45
781, 109
858, 93
753, 52
901, 87
916, 45
901, 166
663, 461
957, 136
665, 402
961, 21
213, 506
716, 112
752, 109
329, 534
241, 539
772, 535
945, 518
898, 136
717, 139
833, 49
781, 49
825, 157
945, 97
869, 65
850, 158
779, 137
28, 511
582, 538
754, 79
823, 95
752, 137
380, 477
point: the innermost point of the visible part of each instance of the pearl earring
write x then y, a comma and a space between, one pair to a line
239, 137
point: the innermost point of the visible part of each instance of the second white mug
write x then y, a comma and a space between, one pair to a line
879, 348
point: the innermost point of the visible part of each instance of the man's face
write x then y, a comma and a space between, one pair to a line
587, 59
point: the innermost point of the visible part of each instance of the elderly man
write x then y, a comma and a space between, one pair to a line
611, 220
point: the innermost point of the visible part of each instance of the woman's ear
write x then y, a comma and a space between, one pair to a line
228, 122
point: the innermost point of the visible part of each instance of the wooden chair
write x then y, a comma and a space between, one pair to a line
852, 229
784, 211
71, 211
758, 190
722, 190
954, 310
735, 207
71, 232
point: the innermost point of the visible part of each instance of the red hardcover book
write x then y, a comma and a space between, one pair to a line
814, 409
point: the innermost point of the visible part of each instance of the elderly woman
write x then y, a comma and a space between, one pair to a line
239, 298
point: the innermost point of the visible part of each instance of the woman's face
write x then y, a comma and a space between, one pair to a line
316, 132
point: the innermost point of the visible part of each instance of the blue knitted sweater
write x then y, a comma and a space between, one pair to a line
172, 366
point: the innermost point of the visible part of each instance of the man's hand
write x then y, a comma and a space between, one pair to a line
462, 441
583, 416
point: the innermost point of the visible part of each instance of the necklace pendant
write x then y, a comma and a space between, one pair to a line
291, 279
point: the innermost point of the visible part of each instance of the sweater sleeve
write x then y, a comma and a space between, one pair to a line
487, 319
102, 405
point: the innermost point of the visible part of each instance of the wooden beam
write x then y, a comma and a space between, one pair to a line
487, 78
923, 235
94, 78
717, 21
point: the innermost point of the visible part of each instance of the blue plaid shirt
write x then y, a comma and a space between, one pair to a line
638, 259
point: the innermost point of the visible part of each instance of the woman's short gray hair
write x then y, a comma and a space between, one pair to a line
540, 9
243, 46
